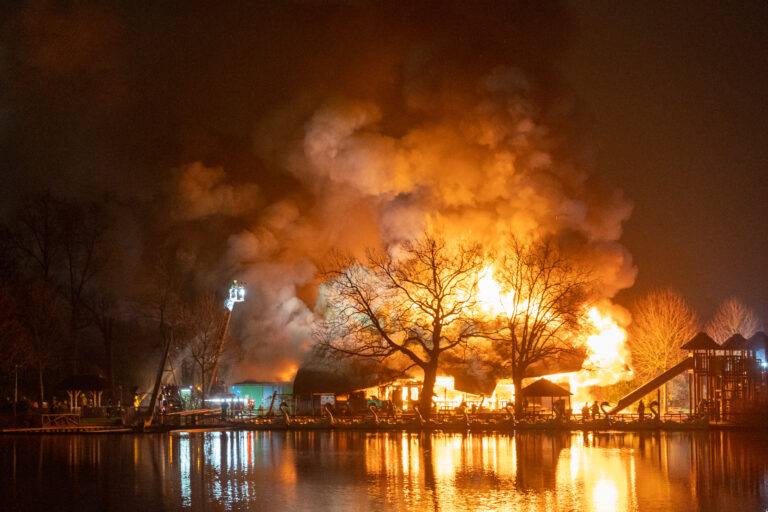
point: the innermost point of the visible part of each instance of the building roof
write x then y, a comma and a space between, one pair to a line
564, 362
758, 341
544, 387
701, 342
474, 384
358, 375
251, 382
735, 342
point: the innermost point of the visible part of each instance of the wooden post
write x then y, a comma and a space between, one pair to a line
658, 399
690, 393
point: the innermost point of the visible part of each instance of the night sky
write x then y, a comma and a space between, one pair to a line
669, 105
678, 93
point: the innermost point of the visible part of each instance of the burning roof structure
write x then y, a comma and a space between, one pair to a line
544, 387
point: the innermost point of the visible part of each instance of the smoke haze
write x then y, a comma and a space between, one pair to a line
264, 135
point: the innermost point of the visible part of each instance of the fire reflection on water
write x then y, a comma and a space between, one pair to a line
393, 471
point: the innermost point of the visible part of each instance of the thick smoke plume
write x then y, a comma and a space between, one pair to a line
265, 139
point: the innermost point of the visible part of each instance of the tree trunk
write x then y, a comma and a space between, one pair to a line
203, 392
519, 400
428, 389
42, 390
111, 368
109, 349
74, 341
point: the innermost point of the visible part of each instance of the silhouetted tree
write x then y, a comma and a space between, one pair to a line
415, 303
732, 317
42, 313
86, 254
14, 343
163, 305
547, 298
203, 322
37, 235
662, 321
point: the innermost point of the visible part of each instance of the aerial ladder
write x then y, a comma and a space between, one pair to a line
236, 294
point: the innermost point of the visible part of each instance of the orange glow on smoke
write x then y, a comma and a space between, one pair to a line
288, 374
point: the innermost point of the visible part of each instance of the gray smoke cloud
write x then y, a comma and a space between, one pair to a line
266, 134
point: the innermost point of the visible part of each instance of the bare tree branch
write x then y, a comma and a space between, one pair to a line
549, 298
732, 317
417, 305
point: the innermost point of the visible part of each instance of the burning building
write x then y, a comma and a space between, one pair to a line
417, 130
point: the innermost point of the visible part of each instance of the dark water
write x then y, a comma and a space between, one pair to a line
277, 471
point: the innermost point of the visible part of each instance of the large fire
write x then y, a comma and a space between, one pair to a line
606, 359
605, 363
490, 295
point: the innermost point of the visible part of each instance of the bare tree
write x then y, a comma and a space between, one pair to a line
164, 307
103, 310
86, 254
732, 317
38, 236
415, 306
42, 314
14, 342
662, 322
63, 243
547, 298
203, 322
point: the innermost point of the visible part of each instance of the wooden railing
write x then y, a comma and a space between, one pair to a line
60, 420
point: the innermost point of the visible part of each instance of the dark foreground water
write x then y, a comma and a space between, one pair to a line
276, 471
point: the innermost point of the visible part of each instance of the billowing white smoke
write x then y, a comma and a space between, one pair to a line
476, 160
372, 119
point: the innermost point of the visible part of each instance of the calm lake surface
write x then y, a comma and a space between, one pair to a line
277, 471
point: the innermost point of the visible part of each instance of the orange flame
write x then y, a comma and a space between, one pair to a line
491, 297
606, 350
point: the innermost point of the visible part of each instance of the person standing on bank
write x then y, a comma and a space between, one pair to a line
595, 411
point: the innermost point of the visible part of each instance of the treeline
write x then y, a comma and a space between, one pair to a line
80, 295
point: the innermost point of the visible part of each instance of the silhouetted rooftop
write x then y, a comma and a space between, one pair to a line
758, 341
544, 387
735, 342
701, 342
